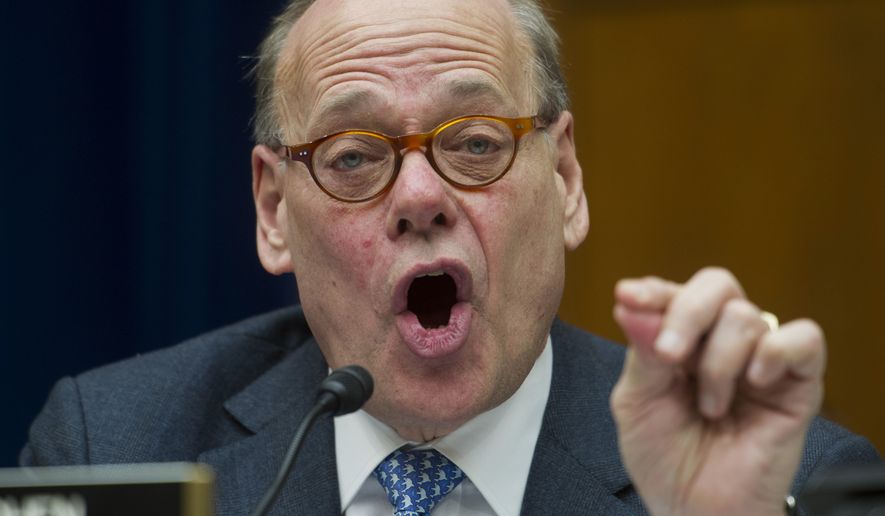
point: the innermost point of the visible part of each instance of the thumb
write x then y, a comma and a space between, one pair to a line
641, 327
644, 374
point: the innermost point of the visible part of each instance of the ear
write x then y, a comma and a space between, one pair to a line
270, 206
576, 218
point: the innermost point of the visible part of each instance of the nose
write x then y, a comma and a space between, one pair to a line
421, 201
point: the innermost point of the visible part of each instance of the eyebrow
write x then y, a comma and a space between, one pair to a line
346, 103
468, 88
479, 97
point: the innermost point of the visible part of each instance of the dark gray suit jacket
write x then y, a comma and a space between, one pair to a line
233, 398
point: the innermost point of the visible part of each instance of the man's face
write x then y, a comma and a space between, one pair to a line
445, 295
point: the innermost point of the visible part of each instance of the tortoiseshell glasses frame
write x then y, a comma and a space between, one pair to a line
469, 152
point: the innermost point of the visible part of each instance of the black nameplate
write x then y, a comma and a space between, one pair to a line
174, 489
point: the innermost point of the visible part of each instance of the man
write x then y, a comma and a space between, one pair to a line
436, 261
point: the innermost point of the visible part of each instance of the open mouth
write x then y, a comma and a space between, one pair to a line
432, 303
431, 298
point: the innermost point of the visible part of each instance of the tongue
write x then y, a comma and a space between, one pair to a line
431, 299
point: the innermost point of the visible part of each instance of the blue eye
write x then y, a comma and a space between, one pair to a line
349, 160
477, 146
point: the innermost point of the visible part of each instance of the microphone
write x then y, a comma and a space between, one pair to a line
345, 390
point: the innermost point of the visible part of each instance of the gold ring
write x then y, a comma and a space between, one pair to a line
771, 320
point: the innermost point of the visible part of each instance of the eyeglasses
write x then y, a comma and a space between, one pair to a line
469, 152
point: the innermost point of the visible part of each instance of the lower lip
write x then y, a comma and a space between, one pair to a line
436, 342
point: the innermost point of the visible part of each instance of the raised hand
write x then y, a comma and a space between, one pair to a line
713, 405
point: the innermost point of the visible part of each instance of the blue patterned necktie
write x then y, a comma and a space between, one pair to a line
415, 481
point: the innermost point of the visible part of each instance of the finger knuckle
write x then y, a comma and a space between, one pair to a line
743, 316
740, 310
721, 276
717, 272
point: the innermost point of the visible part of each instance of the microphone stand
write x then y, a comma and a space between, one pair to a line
342, 392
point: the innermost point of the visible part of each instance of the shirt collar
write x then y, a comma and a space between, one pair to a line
499, 440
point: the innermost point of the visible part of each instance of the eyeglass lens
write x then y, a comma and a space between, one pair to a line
470, 152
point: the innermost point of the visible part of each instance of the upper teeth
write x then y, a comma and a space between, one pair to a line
436, 273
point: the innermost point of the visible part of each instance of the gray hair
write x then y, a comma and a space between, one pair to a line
547, 80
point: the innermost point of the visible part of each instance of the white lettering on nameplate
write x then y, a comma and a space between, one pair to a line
43, 505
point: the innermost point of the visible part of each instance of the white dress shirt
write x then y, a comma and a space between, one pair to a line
494, 450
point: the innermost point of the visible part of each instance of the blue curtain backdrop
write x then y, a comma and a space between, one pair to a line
126, 216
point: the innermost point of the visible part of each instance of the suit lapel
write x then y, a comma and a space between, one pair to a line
271, 408
576, 468
559, 484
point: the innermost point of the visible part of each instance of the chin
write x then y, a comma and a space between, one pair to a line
426, 426
432, 407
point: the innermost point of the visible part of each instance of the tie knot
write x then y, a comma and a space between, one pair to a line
416, 480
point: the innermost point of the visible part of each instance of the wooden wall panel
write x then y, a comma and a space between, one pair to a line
744, 134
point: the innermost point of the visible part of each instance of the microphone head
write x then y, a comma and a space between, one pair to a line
350, 385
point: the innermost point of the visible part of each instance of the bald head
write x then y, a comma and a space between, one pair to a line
534, 37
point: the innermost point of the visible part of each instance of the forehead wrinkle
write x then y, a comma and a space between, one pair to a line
400, 43
479, 94
389, 65
385, 54
490, 82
